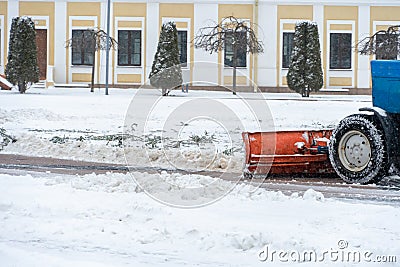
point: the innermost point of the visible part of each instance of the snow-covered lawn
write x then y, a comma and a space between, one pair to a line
107, 220
201, 130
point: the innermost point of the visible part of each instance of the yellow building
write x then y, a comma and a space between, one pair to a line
136, 26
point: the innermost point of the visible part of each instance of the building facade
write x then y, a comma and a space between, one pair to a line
136, 25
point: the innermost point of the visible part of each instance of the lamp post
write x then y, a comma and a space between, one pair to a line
108, 43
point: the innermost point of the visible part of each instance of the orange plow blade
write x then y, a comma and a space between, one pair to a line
287, 152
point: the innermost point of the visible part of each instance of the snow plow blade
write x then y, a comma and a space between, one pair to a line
287, 152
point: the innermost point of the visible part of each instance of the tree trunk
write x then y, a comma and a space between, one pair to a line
305, 92
21, 87
93, 70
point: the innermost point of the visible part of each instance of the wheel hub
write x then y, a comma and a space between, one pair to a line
354, 151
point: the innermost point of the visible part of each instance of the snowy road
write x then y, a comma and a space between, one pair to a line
388, 190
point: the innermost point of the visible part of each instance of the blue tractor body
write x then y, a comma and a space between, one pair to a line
386, 85
386, 95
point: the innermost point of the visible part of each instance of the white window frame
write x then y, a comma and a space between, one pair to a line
352, 54
328, 41
70, 48
238, 67
187, 21
187, 38
247, 56
141, 29
130, 69
281, 52
281, 31
81, 69
71, 28
340, 73
377, 23
141, 49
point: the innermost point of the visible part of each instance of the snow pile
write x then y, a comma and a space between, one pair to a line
311, 194
110, 152
192, 158
110, 183
29, 114
177, 189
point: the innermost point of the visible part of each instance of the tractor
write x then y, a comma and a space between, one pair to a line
363, 148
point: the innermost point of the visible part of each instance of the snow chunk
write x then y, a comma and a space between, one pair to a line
311, 194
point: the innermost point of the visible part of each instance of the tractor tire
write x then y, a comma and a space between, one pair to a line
357, 150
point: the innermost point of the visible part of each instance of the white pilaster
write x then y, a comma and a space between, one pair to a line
2, 44
103, 26
363, 78
152, 33
60, 35
205, 70
318, 11
12, 11
267, 33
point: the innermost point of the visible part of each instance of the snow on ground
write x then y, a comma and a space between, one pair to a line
106, 220
198, 130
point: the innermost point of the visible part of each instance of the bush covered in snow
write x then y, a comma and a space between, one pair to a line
22, 67
305, 71
166, 71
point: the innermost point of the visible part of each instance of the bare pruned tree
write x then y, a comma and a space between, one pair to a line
86, 43
231, 33
384, 44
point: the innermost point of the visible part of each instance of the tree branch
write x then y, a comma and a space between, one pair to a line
383, 43
214, 38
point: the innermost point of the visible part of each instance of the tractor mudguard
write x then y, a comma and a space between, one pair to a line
390, 127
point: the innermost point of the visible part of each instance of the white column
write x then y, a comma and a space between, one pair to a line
2, 44
152, 33
318, 11
12, 11
60, 36
363, 78
268, 17
103, 26
205, 70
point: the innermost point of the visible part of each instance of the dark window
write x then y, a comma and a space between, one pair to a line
129, 48
387, 46
82, 47
241, 50
287, 47
182, 44
340, 51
